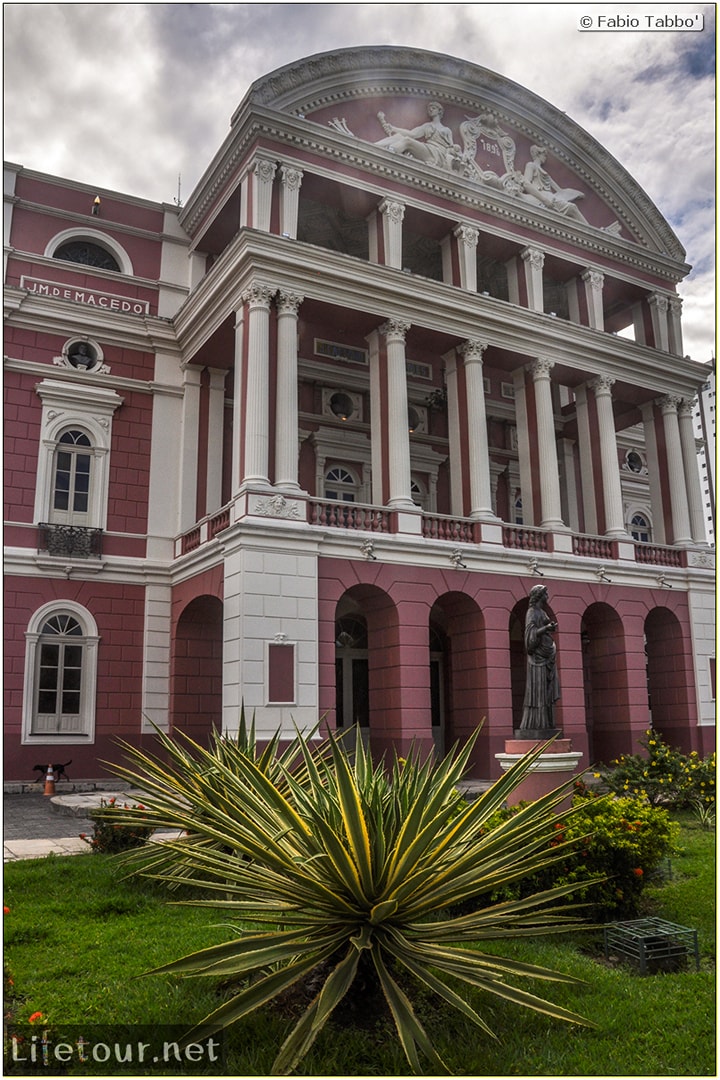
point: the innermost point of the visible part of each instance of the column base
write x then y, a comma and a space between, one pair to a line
548, 772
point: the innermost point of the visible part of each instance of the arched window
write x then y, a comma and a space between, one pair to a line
72, 473
90, 247
640, 528
86, 253
518, 511
60, 675
340, 484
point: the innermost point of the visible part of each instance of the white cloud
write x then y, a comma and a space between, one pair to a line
129, 95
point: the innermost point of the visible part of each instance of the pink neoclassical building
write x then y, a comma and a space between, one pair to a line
412, 346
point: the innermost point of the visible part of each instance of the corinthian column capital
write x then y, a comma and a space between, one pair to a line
472, 350
393, 210
394, 330
258, 294
541, 368
288, 303
601, 384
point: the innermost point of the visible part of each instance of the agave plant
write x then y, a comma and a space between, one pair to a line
352, 866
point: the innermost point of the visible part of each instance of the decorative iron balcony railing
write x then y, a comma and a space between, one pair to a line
69, 541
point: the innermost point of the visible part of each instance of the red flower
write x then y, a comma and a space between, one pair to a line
638, 871
6, 909
35, 1017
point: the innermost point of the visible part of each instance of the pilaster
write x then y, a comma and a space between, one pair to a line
290, 183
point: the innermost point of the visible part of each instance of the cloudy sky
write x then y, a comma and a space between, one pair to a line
129, 96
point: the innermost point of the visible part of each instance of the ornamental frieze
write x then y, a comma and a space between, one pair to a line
432, 142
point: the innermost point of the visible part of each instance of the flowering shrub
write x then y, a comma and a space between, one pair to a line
612, 845
663, 776
112, 836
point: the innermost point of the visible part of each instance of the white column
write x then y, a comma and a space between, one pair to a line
256, 417
189, 447
533, 262
238, 418
290, 181
263, 174
523, 441
587, 472
392, 219
567, 462
692, 475
550, 505
478, 456
467, 242
216, 430
286, 401
647, 411
658, 313
593, 281
457, 508
398, 436
676, 471
675, 325
612, 490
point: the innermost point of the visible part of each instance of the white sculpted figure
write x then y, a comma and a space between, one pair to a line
430, 142
539, 187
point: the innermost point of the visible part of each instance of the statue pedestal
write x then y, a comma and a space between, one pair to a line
549, 771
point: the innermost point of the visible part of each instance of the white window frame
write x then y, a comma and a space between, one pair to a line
93, 236
67, 406
88, 686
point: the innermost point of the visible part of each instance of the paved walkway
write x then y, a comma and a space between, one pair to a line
35, 825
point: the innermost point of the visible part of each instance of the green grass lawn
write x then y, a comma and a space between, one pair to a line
78, 936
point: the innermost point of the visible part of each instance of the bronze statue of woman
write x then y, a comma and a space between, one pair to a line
542, 688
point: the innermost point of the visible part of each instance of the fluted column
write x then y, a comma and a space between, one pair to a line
593, 281
675, 325
612, 490
533, 262
216, 430
290, 181
692, 475
263, 174
392, 219
676, 470
256, 419
658, 313
398, 436
467, 242
550, 504
478, 457
286, 401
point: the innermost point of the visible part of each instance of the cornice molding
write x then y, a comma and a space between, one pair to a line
338, 279
381, 167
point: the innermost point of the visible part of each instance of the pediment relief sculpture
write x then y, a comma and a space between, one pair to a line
433, 143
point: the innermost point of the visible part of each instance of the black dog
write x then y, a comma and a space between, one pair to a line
58, 769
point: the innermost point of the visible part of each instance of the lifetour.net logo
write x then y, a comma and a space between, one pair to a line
111, 1050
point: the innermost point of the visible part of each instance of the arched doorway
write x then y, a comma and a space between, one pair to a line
458, 676
605, 683
352, 703
669, 678
196, 674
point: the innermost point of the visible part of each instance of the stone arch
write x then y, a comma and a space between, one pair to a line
669, 677
196, 669
456, 623
378, 693
605, 683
